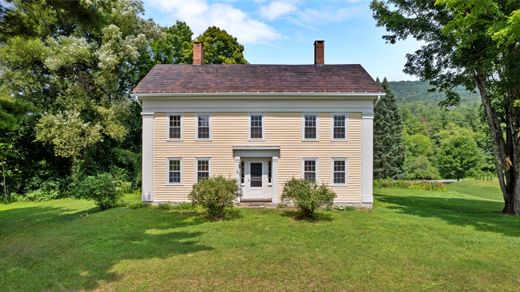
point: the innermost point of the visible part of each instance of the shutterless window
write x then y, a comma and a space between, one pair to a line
269, 171
202, 169
242, 172
174, 171
256, 127
310, 126
340, 122
340, 172
175, 127
203, 126
309, 170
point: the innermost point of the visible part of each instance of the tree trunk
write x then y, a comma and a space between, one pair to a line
507, 163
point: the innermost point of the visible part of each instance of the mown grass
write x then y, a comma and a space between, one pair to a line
412, 240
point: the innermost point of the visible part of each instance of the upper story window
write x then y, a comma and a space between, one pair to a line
310, 123
203, 126
175, 126
339, 169
309, 170
202, 169
339, 130
256, 126
174, 171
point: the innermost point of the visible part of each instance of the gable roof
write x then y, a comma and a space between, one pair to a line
212, 78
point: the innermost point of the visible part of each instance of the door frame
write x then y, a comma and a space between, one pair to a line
263, 193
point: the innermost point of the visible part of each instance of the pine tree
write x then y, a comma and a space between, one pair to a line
389, 146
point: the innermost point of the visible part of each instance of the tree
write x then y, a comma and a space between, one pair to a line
475, 44
389, 147
221, 47
458, 153
174, 45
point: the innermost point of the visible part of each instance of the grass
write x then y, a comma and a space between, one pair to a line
412, 240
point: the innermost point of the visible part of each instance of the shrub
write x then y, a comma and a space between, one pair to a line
307, 196
215, 194
103, 188
411, 184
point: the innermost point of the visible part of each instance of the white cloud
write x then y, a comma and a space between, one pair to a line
199, 14
310, 16
276, 9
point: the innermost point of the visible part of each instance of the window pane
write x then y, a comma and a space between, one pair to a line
310, 165
202, 175
309, 170
175, 177
339, 126
203, 127
339, 177
339, 165
203, 165
339, 171
175, 127
242, 174
310, 176
175, 165
256, 127
310, 133
256, 133
269, 171
310, 127
203, 133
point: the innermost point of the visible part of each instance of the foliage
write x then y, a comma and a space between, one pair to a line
307, 196
474, 44
105, 189
174, 45
389, 147
458, 153
215, 194
221, 47
411, 184
420, 167
419, 91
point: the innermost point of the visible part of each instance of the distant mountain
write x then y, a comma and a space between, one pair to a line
417, 91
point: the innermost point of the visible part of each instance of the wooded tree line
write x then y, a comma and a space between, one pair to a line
66, 72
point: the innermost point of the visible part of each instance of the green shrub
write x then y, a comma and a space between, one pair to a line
104, 189
307, 196
41, 195
411, 184
215, 194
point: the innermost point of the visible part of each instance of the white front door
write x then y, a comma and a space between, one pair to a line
256, 181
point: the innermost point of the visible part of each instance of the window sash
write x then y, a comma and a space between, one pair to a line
339, 126
175, 127
310, 126
203, 127
174, 173
309, 170
202, 169
256, 127
269, 172
339, 172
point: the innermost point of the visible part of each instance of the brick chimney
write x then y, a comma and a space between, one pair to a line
319, 52
198, 53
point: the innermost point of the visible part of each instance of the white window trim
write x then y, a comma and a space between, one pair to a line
303, 167
197, 126
197, 159
249, 127
332, 171
332, 127
317, 127
168, 127
168, 171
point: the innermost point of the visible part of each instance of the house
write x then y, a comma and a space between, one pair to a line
260, 124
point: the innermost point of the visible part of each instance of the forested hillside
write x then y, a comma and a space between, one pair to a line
412, 91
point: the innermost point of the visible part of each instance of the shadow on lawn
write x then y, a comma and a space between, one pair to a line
65, 250
481, 214
318, 216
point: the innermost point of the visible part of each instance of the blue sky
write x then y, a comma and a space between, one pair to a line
283, 31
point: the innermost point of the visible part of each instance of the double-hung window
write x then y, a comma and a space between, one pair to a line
310, 124
174, 171
202, 169
309, 170
256, 126
339, 126
175, 126
203, 126
339, 171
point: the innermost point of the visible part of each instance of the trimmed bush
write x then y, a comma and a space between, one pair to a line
104, 189
215, 194
307, 196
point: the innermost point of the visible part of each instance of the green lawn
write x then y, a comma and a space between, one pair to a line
412, 240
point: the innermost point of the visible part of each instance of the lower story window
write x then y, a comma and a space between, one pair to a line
309, 170
242, 171
340, 171
174, 174
269, 172
202, 169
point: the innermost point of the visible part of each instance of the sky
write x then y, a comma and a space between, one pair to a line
284, 31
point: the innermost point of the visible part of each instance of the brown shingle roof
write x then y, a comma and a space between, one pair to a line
257, 78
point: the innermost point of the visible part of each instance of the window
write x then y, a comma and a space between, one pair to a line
242, 171
174, 173
269, 171
310, 123
309, 170
175, 127
256, 127
203, 126
339, 127
339, 171
202, 169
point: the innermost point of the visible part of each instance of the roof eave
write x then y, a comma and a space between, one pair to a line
368, 95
